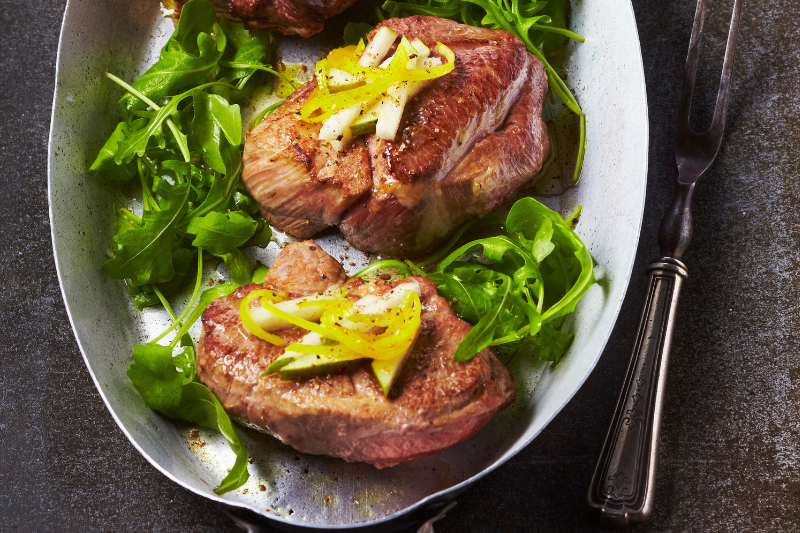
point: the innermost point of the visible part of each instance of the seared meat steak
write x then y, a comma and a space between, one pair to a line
302, 184
301, 17
466, 143
435, 402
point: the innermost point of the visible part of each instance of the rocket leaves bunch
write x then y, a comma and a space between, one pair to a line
526, 277
180, 143
180, 139
515, 280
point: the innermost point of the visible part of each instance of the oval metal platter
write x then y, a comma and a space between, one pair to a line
286, 488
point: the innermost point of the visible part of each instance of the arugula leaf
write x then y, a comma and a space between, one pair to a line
215, 121
136, 142
154, 375
517, 284
177, 395
260, 273
262, 236
196, 18
527, 216
221, 233
244, 47
552, 343
238, 266
558, 13
482, 334
145, 299
105, 163
543, 241
355, 31
217, 197
185, 360
199, 405
468, 289
181, 261
144, 253
245, 203
174, 70
249, 54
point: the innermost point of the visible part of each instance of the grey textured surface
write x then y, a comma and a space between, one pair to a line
729, 453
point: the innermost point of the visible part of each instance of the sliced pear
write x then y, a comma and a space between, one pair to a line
390, 108
387, 371
281, 362
310, 339
363, 128
422, 50
312, 365
296, 365
365, 123
335, 127
269, 322
416, 86
339, 80
377, 48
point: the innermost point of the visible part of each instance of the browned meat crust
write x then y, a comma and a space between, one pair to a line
302, 185
301, 17
468, 141
435, 403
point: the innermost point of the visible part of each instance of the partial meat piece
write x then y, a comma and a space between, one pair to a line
466, 144
434, 404
301, 17
302, 186
305, 269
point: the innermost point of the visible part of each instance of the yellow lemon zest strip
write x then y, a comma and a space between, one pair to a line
250, 324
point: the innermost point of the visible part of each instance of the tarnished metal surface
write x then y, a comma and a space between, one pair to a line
124, 37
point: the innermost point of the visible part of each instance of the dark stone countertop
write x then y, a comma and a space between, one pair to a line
730, 449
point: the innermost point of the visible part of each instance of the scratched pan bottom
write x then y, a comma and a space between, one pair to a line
287, 488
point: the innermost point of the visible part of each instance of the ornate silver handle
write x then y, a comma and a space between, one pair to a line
622, 486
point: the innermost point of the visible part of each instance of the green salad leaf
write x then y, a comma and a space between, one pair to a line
239, 267
355, 31
196, 18
515, 283
179, 144
244, 47
155, 376
168, 384
105, 163
188, 58
222, 233
144, 251
185, 150
483, 333
217, 126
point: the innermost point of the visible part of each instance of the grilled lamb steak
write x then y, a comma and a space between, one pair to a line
435, 402
301, 17
467, 143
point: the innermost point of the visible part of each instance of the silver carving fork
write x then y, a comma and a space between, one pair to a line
622, 485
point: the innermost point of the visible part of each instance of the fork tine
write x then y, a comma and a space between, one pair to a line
723, 95
690, 74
